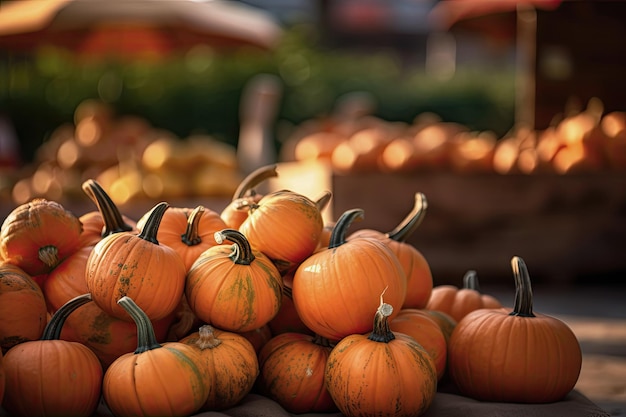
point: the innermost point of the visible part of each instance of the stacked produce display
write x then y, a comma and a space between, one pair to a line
190, 309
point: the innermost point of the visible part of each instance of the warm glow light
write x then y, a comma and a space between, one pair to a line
68, 153
88, 132
21, 192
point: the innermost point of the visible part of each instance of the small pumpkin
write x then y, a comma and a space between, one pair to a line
136, 265
458, 302
287, 319
234, 287
38, 235
335, 289
230, 362
514, 355
258, 337
416, 267
382, 373
292, 372
156, 379
52, 377
22, 307
444, 320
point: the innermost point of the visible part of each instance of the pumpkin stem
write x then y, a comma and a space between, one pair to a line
338, 235
381, 330
151, 227
49, 255
207, 338
113, 219
322, 341
523, 306
52, 331
146, 339
470, 280
253, 179
323, 200
191, 236
242, 251
412, 221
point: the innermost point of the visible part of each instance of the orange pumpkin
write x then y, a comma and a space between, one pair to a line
292, 372
136, 265
444, 320
156, 379
458, 302
230, 363
234, 287
38, 235
514, 355
52, 377
426, 331
22, 307
284, 225
335, 289
416, 267
381, 373
258, 337
188, 231
287, 319
245, 196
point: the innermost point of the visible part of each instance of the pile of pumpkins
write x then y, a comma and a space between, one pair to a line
590, 140
187, 310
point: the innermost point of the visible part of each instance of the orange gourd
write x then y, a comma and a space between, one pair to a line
416, 267
292, 372
258, 337
22, 307
287, 319
382, 373
284, 225
335, 289
137, 266
444, 320
230, 363
426, 331
156, 379
458, 302
514, 355
52, 377
38, 235
234, 287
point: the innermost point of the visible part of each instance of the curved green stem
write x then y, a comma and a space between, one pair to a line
253, 179
151, 226
340, 230
191, 236
52, 331
470, 280
242, 251
523, 306
146, 339
412, 221
113, 219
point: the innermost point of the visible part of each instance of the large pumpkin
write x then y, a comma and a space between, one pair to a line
22, 307
234, 287
38, 235
137, 266
514, 355
335, 289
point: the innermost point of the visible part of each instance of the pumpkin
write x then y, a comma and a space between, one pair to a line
2, 378
426, 331
335, 289
458, 302
136, 265
156, 379
292, 372
188, 231
246, 197
444, 320
382, 373
418, 274
38, 235
287, 319
234, 287
258, 337
106, 220
52, 377
230, 363
22, 307
514, 355
285, 226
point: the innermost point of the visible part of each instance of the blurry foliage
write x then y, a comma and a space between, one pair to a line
200, 92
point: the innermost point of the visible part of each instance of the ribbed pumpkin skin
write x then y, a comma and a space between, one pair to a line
36, 236
22, 307
292, 373
335, 290
458, 302
60, 378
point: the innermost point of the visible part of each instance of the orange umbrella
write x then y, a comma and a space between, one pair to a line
132, 27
